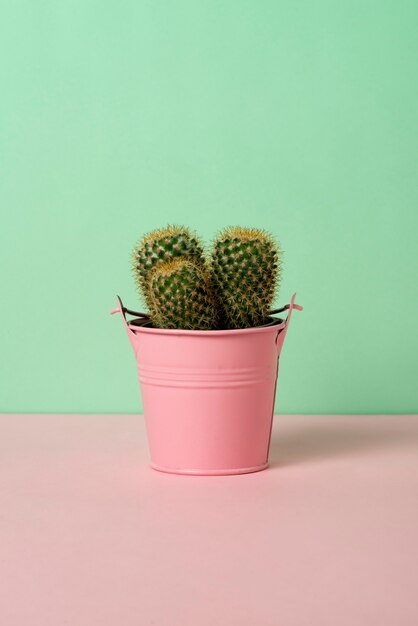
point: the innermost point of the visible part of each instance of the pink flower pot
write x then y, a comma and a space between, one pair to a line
208, 395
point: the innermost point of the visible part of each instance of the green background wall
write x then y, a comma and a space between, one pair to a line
299, 117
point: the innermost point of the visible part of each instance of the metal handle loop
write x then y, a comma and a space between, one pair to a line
282, 331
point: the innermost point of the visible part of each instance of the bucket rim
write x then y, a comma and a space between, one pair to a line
269, 327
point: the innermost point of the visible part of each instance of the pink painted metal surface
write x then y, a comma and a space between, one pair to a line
208, 396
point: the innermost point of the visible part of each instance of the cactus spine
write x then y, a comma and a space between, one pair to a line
159, 246
181, 296
245, 265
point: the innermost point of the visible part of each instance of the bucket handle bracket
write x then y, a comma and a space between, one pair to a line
123, 311
282, 331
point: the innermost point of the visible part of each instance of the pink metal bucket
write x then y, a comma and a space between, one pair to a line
208, 395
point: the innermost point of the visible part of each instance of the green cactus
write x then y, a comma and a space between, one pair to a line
160, 246
246, 265
181, 296
237, 291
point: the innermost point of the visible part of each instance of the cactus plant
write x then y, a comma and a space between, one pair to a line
245, 268
160, 246
181, 290
181, 296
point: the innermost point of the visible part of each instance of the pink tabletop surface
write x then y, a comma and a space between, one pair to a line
90, 536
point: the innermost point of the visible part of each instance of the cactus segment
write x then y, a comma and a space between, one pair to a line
160, 246
246, 265
181, 296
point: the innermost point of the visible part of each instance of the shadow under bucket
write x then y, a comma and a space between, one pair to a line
208, 395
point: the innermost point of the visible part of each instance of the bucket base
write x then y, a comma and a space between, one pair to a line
207, 472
